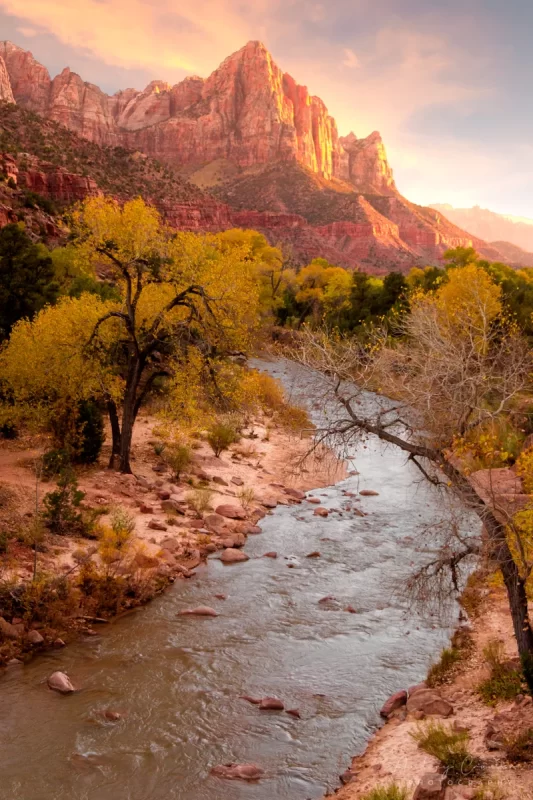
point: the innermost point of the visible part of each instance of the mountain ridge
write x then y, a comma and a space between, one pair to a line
262, 145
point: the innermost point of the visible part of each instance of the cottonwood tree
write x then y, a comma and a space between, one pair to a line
179, 293
458, 366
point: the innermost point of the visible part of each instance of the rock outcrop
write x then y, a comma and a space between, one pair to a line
6, 93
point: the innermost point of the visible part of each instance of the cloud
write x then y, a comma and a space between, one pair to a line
350, 59
150, 34
29, 33
318, 13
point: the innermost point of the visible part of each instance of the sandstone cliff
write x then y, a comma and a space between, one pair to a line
248, 112
6, 93
249, 134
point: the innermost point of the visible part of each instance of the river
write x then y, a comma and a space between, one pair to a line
177, 680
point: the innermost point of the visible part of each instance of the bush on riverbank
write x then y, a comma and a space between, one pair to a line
506, 680
450, 749
392, 792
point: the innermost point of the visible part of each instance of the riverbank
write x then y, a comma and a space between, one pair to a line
214, 506
394, 757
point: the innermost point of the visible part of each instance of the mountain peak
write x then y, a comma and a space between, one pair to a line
248, 112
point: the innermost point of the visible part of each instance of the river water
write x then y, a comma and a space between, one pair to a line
177, 680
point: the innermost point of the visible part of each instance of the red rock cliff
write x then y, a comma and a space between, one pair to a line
248, 112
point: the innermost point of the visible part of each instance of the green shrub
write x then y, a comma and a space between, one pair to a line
11, 183
438, 672
4, 541
391, 792
159, 448
54, 462
90, 425
62, 506
221, 436
35, 200
178, 457
504, 682
450, 748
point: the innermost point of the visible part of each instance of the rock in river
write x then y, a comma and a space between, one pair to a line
271, 704
243, 772
232, 556
60, 682
394, 702
321, 512
199, 611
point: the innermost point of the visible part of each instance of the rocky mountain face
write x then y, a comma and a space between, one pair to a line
268, 153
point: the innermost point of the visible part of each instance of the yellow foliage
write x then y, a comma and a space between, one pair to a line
470, 297
524, 468
47, 361
323, 288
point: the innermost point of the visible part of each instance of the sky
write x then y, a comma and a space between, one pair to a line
446, 82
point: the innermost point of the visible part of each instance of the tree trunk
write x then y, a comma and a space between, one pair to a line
128, 420
515, 584
114, 461
129, 410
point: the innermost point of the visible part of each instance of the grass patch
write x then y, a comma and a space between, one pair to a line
438, 673
392, 792
450, 658
519, 749
451, 750
504, 683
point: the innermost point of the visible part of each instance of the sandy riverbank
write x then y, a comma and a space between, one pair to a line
273, 465
392, 755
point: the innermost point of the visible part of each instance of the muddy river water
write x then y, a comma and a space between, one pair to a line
178, 679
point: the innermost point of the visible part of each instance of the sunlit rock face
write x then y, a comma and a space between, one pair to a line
6, 93
257, 140
248, 111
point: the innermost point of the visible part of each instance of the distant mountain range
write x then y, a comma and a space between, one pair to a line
246, 147
501, 230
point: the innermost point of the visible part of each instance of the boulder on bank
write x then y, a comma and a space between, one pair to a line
215, 523
232, 556
243, 772
296, 494
429, 703
9, 631
231, 512
199, 611
34, 638
59, 682
431, 787
394, 702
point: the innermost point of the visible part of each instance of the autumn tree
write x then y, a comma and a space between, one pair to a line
321, 289
457, 365
179, 293
274, 271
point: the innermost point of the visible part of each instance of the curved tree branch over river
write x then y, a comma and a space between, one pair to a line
455, 365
